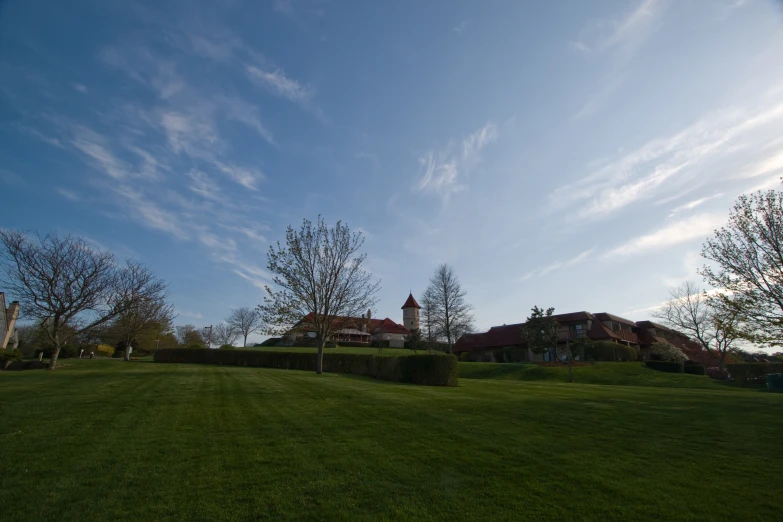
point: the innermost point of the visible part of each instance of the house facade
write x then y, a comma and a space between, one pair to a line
361, 330
595, 326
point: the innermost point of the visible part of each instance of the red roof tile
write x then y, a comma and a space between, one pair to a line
342, 322
410, 303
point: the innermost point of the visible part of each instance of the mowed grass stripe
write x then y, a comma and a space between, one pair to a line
191, 442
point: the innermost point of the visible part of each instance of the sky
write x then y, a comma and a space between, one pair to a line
568, 154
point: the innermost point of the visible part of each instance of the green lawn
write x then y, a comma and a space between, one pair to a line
108, 440
610, 373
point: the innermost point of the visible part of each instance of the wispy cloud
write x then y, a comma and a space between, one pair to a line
80, 87
461, 26
68, 194
279, 84
687, 207
94, 146
444, 171
644, 172
144, 210
246, 177
557, 265
696, 227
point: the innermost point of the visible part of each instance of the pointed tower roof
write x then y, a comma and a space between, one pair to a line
410, 303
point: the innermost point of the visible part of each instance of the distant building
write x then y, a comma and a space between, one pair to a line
8, 316
362, 330
597, 327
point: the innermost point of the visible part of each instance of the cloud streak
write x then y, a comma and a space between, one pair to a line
696, 227
277, 83
558, 265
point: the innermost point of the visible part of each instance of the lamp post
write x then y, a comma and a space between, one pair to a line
209, 336
157, 344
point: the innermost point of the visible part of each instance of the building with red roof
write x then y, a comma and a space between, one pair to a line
364, 329
601, 326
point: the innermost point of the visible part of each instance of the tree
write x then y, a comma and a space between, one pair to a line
245, 321
224, 334
151, 314
664, 351
748, 258
66, 285
413, 340
188, 336
319, 274
541, 333
451, 315
701, 317
428, 306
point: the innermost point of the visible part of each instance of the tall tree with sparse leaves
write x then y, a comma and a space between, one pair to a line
450, 314
224, 334
319, 274
747, 266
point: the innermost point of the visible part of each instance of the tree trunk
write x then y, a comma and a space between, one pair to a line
126, 357
53, 359
244, 343
319, 362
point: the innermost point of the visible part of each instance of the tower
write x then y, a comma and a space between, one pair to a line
410, 313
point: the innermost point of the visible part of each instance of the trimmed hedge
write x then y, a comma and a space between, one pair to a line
753, 373
427, 369
665, 366
609, 351
695, 369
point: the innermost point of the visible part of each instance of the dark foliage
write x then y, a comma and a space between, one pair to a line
695, 369
753, 374
666, 366
427, 369
608, 351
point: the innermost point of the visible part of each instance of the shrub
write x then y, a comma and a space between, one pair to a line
664, 351
464, 356
427, 369
665, 366
609, 351
272, 341
753, 374
348, 344
7, 356
721, 374
104, 350
695, 369
69, 351
227, 347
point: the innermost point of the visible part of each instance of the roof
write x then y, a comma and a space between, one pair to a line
604, 316
410, 303
356, 323
573, 316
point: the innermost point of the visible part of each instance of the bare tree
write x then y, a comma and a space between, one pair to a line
428, 308
149, 312
318, 272
748, 258
66, 285
224, 334
188, 335
246, 321
703, 318
451, 314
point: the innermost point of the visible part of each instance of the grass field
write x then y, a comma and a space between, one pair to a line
108, 440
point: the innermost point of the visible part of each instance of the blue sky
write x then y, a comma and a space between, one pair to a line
570, 154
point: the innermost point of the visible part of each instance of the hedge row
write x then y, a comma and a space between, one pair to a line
427, 369
753, 373
609, 351
665, 366
695, 369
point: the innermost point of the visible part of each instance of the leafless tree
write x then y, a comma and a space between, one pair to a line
188, 335
748, 266
66, 285
701, 317
245, 321
451, 315
318, 271
224, 334
149, 312
428, 308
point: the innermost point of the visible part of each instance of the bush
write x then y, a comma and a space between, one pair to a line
464, 356
69, 351
695, 369
721, 374
104, 350
753, 374
272, 341
427, 369
665, 366
227, 347
7, 356
354, 344
609, 351
663, 351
